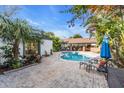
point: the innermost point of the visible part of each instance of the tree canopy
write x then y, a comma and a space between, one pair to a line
101, 20
76, 36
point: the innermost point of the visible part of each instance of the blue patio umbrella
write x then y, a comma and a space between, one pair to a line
105, 49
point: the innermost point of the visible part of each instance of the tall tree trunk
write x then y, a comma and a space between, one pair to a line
117, 50
16, 49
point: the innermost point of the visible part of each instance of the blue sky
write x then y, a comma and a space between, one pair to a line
50, 19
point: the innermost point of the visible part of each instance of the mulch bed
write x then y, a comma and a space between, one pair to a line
4, 70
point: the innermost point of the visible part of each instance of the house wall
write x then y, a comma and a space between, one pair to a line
1, 44
95, 49
46, 46
1, 52
83, 47
21, 48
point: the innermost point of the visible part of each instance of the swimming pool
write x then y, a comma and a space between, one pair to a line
74, 56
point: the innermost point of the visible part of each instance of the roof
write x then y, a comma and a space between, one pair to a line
79, 40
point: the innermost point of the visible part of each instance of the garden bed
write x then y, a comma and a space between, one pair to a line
8, 70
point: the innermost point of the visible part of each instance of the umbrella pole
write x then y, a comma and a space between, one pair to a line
106, 68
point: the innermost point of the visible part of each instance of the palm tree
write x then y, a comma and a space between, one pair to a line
15, 31
22, 32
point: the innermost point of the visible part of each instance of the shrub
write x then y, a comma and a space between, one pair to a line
10, 61
15, 64
7, 50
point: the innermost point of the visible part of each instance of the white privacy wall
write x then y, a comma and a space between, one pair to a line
21, 48
46, 46
1, 44
1, 52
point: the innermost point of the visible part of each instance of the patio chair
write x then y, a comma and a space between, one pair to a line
105, 68
92, 63
113, 74
82, 63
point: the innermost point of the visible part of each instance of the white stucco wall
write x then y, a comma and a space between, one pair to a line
21, 48
1, 44
1, 52
46, 46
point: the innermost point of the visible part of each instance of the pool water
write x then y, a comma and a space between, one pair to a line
74, 56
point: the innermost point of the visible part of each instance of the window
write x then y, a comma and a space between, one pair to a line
31, 48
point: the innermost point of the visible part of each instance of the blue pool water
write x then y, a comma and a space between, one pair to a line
74, 56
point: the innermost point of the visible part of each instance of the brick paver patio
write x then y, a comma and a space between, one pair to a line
53, 72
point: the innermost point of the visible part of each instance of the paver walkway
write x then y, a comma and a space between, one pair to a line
53, 73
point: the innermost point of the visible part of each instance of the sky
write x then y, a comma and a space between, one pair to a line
50, 19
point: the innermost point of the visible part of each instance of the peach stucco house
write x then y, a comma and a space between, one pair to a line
80, 44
